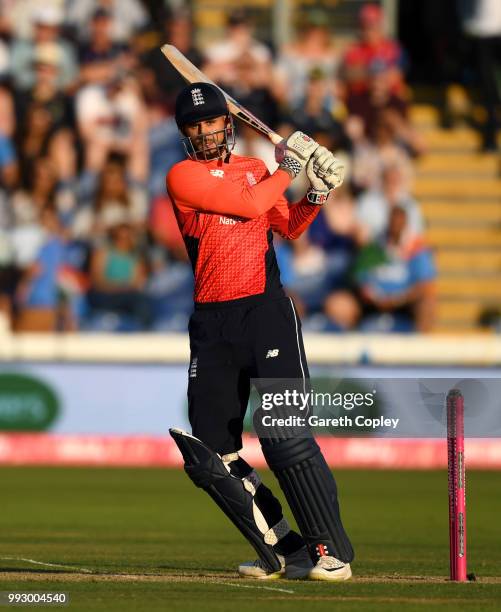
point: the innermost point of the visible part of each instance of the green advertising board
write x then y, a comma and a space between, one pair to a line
26, 403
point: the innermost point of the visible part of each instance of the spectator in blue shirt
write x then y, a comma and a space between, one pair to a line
393, 284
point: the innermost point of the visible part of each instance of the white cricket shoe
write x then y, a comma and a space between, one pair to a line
294, 566
330, 568
256, 569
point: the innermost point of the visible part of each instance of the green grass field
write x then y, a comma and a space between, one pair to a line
138, 539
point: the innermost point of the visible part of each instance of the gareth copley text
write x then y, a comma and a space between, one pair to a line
345, 421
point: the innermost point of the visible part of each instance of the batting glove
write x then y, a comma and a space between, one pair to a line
293, 153
325, 172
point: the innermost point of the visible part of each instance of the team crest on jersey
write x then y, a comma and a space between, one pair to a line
197, 96
217, 172
251, 179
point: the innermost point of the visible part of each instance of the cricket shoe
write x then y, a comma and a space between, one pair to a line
330, 568
294, 566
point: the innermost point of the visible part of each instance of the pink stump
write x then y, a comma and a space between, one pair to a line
457, 485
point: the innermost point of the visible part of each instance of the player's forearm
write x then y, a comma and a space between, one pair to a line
301, 215
223, 196
247, 202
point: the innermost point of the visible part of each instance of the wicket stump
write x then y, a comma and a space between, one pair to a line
457, 485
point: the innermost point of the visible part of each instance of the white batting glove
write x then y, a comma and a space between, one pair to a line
328, 167
325, 172
293, 153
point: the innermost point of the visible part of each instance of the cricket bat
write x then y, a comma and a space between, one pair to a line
193, 75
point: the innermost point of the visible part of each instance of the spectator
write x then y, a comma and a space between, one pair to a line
164, 145
129, 16
374, 207
41, 136
44, 189
106, 196
9, 278
39, 193
308, 276
489, 319
376, 101
160, 83
16, 16
336, 229
118, 276
319, 110
177, 30
313, 48
100, 57
48, 286
45, 118
170, 285
4, 58
8, 165
393, 284
373, 51
112, 119
380, 131
370, 158
33, 209
5, 20
37, 294
47, 61
222, 57
47, 21
482, 23
7, 112
252, 89
8, 271
322, 258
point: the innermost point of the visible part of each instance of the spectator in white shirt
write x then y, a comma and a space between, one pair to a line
374, 206
47, 21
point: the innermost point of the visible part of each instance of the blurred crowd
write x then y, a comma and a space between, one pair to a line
88, 239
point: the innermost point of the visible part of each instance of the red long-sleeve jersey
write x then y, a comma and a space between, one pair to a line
227, 212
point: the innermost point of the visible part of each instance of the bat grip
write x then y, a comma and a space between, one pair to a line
274, 137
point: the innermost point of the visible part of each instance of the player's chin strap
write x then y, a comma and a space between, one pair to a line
236, 488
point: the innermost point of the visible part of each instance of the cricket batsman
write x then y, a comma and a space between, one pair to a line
244, 327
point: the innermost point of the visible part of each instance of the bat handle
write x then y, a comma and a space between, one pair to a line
274, 137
